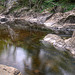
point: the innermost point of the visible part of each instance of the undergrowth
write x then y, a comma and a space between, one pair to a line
64, 4
41, 5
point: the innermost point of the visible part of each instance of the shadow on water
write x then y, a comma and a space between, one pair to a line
27, 54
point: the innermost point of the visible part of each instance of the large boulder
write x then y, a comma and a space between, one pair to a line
54, 40
70, 45
62, 22
59, 43
6, 70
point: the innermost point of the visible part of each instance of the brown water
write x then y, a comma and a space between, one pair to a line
26, 53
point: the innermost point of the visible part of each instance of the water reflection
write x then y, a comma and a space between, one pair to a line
32, 58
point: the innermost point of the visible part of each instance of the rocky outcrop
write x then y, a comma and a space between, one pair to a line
62, 22
6, 70
55, 40
26, 21
70, 45
59, 43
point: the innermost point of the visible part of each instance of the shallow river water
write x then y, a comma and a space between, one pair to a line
31, 57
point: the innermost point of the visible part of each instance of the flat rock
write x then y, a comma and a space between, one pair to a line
5, 70
59, 43
55, 40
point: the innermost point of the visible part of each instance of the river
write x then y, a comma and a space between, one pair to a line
31, 57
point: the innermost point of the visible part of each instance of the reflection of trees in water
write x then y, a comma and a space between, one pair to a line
11, 53
33, 52
48, 62
8, 54
3, 45
54, 64
29, 43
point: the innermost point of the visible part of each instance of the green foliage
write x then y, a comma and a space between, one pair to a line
2, 0
66, 4
41, 5
64, 0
